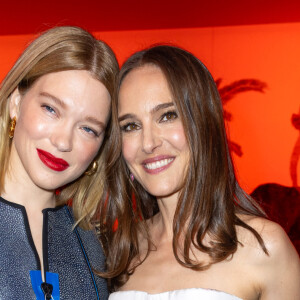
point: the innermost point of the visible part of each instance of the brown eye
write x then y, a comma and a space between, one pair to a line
129, 127
169, 116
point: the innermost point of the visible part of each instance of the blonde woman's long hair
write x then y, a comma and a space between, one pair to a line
61, 49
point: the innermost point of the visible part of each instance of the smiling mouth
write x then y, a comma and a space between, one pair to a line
158, 164
52, 162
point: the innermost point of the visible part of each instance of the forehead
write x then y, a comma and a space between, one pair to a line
75, 90
71, 84
64, 81
144, 86
148, 74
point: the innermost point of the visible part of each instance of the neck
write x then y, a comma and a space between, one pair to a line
164, 220
20, 190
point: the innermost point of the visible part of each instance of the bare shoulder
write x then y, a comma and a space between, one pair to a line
278, 272
275, 238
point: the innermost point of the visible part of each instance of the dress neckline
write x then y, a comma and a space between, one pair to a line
179, 291
22, 207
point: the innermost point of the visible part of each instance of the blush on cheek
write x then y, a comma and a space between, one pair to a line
41, 128
175, 136
34, 128
87, 154
178, 138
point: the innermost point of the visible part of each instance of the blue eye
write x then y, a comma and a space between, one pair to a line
129, 127
90, 131
49, 109
169, 116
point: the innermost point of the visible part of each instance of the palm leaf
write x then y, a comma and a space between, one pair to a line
229, 91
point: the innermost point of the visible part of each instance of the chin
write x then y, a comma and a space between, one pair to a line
49, 183
51, 180
162, 193
49, 187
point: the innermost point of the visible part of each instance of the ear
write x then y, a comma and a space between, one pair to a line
14, 105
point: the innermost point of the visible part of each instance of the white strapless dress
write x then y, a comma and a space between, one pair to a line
190, 294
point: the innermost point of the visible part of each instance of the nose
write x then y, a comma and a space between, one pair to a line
62, 138
151, 139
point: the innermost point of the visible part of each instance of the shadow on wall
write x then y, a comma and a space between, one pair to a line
229, 91
281, 203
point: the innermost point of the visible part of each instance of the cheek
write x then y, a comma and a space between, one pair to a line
128, 150
32, 128
85, 152
178, 139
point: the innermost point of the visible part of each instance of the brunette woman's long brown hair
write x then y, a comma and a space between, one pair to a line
211, 199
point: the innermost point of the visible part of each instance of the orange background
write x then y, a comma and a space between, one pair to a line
261, 123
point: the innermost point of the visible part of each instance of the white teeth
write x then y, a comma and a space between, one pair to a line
158, 164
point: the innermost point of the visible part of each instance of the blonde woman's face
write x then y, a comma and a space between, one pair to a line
60, 127
154, 143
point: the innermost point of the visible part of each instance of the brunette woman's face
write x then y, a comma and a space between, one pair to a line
154, 143
60, 127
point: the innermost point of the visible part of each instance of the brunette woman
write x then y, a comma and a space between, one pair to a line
180, 226
55, 105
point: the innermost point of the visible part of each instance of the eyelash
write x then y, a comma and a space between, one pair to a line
90, 131
173, 114
49, 109
125, 127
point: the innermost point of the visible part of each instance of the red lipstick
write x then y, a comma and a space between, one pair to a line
52, 162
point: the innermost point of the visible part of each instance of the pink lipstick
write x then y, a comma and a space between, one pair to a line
157, 164
52, 162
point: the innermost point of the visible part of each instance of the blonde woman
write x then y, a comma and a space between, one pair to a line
55, 105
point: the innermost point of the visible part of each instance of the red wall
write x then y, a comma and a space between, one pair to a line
261, 122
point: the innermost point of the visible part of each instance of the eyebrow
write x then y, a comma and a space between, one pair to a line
64, 106
55, 99
153, 110
95, 121
161, 106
